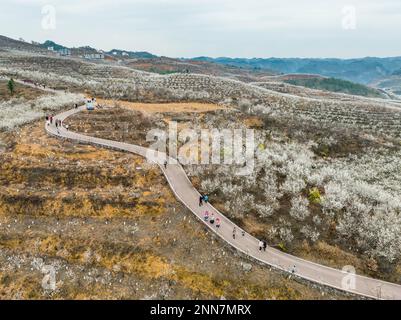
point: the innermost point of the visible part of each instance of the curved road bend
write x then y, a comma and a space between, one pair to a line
247, 244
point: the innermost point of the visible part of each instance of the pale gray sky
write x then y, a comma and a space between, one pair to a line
234, 28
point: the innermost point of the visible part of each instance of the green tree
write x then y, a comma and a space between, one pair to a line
11, 86
314, 195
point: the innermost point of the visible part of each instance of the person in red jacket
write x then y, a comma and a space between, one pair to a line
217, 223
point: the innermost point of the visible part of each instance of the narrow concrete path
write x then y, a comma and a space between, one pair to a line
246, 243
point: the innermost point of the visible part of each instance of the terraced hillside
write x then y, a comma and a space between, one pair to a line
312, 193
287, 88
373, 116
165, 65
11, 44
326, 185
338, 85
110, 226
27, 103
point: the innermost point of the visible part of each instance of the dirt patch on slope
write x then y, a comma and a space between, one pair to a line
164, 107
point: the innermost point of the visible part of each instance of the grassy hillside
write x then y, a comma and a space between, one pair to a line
21, 92
336, 85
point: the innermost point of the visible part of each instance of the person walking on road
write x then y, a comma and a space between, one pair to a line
206, 198
260, 245
206, 215
165, 164
264, 245
234, 232
294, 269
212, 218
217, 222
200, 201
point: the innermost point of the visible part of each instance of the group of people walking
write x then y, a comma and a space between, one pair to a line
49, 119
205, 199
235, 232
212, 219
58, 123
209, 217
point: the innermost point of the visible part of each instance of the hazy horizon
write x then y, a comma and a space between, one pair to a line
220, 28
202, 56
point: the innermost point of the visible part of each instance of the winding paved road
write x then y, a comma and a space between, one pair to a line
247, 244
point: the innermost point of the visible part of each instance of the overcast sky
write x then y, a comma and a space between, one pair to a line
234, 28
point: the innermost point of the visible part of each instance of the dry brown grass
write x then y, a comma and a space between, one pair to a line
164, 107
21, 91
322, 252
254, 122
149, 266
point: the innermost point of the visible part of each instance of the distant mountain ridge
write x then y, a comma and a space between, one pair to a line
88, 49
132, 54
8, 43
362, 70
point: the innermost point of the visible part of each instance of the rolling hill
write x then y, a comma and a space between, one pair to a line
337, 85
364, 70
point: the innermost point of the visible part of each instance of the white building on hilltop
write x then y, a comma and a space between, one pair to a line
64, 52
94, 56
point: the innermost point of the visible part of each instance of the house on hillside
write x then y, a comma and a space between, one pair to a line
94, 56
64, 52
